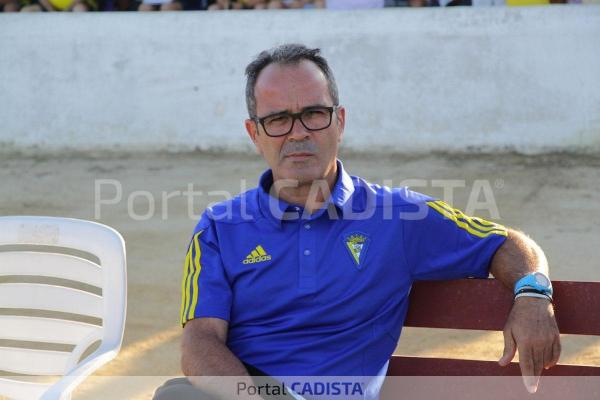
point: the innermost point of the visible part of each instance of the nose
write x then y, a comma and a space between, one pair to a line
298, 132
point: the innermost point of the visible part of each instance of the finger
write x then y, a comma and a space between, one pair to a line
510, 349
526, 363
556, 349
548, 352
538, 362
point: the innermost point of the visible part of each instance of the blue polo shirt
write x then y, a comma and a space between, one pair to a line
326, 294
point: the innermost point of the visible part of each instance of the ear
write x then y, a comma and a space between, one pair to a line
341, 121
252, 130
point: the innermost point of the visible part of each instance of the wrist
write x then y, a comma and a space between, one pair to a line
539, 296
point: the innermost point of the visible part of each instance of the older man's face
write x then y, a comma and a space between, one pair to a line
301, 155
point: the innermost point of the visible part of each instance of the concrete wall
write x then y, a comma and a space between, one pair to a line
462, 79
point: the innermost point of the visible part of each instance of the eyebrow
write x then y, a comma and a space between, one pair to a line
289, 112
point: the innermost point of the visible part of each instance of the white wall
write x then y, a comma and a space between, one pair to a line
430, 79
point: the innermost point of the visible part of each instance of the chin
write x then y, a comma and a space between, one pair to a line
302, 174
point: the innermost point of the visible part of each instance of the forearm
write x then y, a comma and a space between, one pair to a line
207, 361
210, 357
210, 365
517, 257
531, 327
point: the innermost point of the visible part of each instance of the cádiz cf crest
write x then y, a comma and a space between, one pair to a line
357, 244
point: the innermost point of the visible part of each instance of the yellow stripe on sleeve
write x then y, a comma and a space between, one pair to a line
498, 230
197, 267
477, 223
482, 224
186, 272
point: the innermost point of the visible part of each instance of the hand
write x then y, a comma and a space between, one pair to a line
531, 328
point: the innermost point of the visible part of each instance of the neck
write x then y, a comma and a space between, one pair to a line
311, 195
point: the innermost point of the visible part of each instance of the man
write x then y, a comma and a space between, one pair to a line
309, 273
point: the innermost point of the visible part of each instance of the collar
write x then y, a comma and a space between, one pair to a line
276, 209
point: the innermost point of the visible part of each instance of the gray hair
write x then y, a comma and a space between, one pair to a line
286, 54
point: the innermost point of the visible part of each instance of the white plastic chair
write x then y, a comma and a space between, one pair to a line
109, 274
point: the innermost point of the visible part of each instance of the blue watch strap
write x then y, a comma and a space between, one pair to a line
537, 281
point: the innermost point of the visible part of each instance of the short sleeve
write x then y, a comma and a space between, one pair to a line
447, 244
205, 289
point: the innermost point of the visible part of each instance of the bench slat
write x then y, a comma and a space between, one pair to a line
418, 366
484, 304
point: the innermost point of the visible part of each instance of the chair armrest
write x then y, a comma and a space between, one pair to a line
62, 389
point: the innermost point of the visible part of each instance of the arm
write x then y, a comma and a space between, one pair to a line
531, 327
205, 354
204, 351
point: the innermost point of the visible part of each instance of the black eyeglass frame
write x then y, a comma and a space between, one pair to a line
297, 116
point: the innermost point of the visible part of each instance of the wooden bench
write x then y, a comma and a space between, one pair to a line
484, 304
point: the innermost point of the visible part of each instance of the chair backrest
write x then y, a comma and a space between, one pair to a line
484, 304
62, 290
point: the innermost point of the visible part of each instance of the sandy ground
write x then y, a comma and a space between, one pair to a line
554, 198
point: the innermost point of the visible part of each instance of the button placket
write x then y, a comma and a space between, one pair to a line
307, 270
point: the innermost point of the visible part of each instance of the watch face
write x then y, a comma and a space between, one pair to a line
541, 279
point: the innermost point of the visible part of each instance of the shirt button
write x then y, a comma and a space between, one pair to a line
307, 226
307, 252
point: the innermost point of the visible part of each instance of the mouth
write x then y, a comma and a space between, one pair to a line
299, 155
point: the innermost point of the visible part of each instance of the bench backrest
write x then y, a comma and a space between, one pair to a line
484, 304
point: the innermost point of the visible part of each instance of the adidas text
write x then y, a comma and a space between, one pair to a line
256, 259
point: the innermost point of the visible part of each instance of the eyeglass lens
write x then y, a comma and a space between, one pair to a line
312, 119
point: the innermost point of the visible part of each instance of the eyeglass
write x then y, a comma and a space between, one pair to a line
312, 118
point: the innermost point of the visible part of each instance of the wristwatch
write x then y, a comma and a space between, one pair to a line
537, 281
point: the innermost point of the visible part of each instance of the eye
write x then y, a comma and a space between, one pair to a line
314, 113
281, 119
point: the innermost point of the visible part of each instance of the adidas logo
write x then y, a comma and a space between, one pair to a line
257, 255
